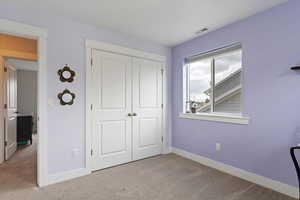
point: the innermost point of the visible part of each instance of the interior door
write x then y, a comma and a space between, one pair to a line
147, 108
2, 110
11, 111
111, 125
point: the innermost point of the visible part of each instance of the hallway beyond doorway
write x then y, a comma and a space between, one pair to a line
19, 172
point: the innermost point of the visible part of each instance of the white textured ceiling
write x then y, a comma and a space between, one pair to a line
167, 22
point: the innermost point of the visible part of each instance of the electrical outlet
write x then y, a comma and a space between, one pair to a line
218, 146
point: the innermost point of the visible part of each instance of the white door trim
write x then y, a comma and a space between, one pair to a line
28, 31
123, 50
91, 44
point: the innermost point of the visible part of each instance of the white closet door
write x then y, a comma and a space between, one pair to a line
111, 138
147, 101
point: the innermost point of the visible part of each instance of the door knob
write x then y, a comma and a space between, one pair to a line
134, 114
129, 115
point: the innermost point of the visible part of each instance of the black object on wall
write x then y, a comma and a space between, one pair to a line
24, 129
295, 68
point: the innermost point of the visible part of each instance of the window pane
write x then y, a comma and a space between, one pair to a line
227, 89
199, 85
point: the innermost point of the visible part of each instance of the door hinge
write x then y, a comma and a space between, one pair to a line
5, 69
162, 139
92, 152
162, 105
162, 71
5, 106
91, 62
91, 106
5, 143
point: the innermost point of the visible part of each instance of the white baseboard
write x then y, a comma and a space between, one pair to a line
64, 176
251, 177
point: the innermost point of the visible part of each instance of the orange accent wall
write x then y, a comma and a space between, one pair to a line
18, 47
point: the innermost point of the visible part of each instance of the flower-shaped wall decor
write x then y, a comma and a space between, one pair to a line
66, 97
66, 74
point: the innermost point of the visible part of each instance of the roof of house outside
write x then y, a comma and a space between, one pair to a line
225, 80
225, 89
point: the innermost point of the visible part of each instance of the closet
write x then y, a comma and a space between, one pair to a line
127, 99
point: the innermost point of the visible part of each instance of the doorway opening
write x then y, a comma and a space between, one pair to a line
19, 77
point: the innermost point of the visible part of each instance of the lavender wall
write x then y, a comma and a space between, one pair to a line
271, 95
66, 44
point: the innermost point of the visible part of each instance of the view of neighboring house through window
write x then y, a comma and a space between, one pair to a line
213, 81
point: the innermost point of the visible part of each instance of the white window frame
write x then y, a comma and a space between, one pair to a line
212, 115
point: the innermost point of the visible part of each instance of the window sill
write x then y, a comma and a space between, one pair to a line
216, 117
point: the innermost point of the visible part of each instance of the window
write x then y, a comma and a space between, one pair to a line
213, 82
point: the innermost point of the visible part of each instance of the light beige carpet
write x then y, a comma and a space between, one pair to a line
19, 172
167, 177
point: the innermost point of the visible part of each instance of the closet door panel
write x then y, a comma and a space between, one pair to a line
146, 102
112, 130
